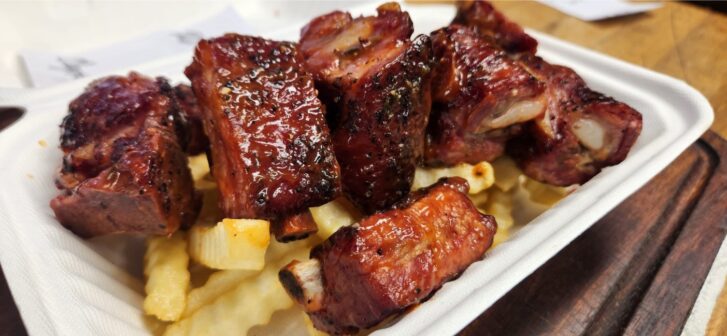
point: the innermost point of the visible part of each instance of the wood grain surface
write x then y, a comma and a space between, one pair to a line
638, 270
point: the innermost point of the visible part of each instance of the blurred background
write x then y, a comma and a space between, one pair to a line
681, 39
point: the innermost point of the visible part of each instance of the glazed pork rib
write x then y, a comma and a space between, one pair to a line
124, 168
480, 97
580, 132
487, 21
391, 260
375, 82
271, 149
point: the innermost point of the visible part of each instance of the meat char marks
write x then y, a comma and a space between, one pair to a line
271, 149
580, 132
375, 82
124, 168
391, 260
487, 21
480, 96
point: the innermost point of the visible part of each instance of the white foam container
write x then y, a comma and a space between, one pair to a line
67, 286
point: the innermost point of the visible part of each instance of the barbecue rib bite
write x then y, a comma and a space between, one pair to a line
376, 84
124, 169
191, 113
581, 132
391, 260
484, 18
480, 96
271, 149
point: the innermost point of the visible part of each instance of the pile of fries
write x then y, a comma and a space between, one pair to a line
241, 261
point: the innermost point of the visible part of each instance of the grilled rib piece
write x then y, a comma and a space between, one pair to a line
124, 169
484, 18
391, 260
271, 150
581, 132
376, 85
480, 96
191, 113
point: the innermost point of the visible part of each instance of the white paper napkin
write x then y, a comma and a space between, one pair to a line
49, 68
592, 10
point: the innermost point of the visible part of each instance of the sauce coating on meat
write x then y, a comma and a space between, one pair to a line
124, 168
581, 132
271, 148
488, 21
480, 96
391, 260
376, 84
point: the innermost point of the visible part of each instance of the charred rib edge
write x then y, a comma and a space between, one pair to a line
303, 282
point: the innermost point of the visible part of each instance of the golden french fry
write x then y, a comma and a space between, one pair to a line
167, 277
252, 302
218, 284
278, 250
479, 176
200, 169
333, 215
543, 193
506, 173
231, 244
480, 200
499, 204
199, 166
222, 282
501, 235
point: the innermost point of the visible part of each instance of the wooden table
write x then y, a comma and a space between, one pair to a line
641, 267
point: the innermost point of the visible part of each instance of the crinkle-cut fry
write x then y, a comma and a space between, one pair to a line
499, 204
506, 173
479, 200
544, 193
218, 284
231, 244
480, 176
198, 273
167, 277
200, 169
501, 235
199, 166
333, 215
252, 302
277, 250
222, 282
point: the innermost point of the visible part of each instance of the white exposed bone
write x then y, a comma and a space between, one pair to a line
519, 112
302, 280
590, 133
